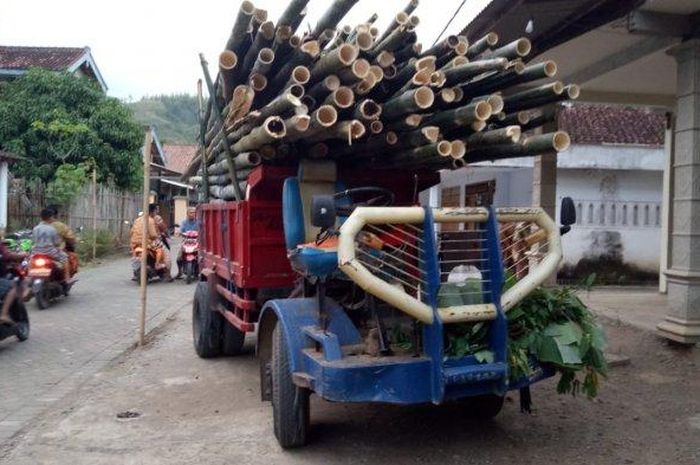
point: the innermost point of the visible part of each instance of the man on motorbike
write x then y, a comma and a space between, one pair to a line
154, 243
190, 224
46, 241
9, 291
68, 241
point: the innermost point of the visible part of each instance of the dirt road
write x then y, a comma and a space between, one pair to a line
193, 411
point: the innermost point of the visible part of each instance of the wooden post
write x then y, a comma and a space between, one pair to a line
94, 213
144, 242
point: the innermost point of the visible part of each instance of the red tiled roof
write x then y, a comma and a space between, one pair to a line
178, 156
596, 124
51, 58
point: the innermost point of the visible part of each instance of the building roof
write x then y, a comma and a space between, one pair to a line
16, 60
598, 124
178, 157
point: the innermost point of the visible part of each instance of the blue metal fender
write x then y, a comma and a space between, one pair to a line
299, 319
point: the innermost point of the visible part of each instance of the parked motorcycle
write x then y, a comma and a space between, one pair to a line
190, 255
47, 280
18, 312
151, 271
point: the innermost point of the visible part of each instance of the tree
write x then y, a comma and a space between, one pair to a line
53, 119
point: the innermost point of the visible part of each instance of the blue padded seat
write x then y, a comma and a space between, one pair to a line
315, 177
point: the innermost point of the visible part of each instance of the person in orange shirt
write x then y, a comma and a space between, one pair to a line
154, 242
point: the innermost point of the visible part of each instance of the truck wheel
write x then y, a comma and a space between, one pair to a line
231, 339
206, 324
485, 407
290, 403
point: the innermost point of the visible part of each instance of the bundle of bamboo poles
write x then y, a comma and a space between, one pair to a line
359, 95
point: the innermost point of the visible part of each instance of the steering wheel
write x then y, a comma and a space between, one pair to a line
373, 197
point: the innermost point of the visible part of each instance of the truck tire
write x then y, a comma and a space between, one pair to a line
206, 324
485, 407
290, 403
231, 339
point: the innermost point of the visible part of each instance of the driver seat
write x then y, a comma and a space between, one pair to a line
315, 177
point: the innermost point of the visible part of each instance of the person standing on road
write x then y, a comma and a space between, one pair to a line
191, 223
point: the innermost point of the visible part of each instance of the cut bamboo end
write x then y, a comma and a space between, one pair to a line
366, 84
267, 29
457, 149
266, 56
558, 87
374, 31
347, 53
459, 94
248, 8
496, 102
377, 72
391, 138
342, 97
356, 129
295, 41
390, 72
482, 110
425, 63
308, 101
561, 141
452, 41
550, 68
401, 18
444, 148
517, 65
458, 163
259, 15
325, 116
437, 79
253, 158
385, 59
447, 95
492, 39
376, 127
573, 91
283, 34
431, 133
458, 61
413, 120
331, 82
296, 90
301, 122
413, 21
274, 126
424, 97
463, 39
461, 48
369, 109
360, 68
421, 78
523, 47
514, 133
258, 82
227, 60
311, 48
364, 41
301, 75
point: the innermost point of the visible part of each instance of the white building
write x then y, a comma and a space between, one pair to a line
613, 172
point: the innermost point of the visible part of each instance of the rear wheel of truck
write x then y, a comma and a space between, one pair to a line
206, 324
290, 403
231, 339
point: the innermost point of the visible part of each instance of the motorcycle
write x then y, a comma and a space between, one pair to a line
151, 271
190, 255
19, 327
47, 280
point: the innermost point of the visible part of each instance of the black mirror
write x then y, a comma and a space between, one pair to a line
323, 211
567, 214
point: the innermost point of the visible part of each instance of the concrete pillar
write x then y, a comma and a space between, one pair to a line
666, 210
682, 324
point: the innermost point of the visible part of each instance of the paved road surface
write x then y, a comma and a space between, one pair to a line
75, 338
208, 412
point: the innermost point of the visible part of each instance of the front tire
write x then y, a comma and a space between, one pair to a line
206, 324
21, 318
290, 403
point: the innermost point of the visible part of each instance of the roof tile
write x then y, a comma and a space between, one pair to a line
178, 157
51, 58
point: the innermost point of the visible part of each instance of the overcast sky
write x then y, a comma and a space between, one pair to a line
148, 47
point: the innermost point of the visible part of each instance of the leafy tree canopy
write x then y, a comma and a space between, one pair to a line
174, 116
53, 119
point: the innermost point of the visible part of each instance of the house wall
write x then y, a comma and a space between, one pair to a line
626, 188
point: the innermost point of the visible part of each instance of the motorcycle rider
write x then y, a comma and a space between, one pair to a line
68, 241
46, 241
191, 223
153, 242
9, 290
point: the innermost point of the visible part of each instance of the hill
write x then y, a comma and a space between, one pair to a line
175, 116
